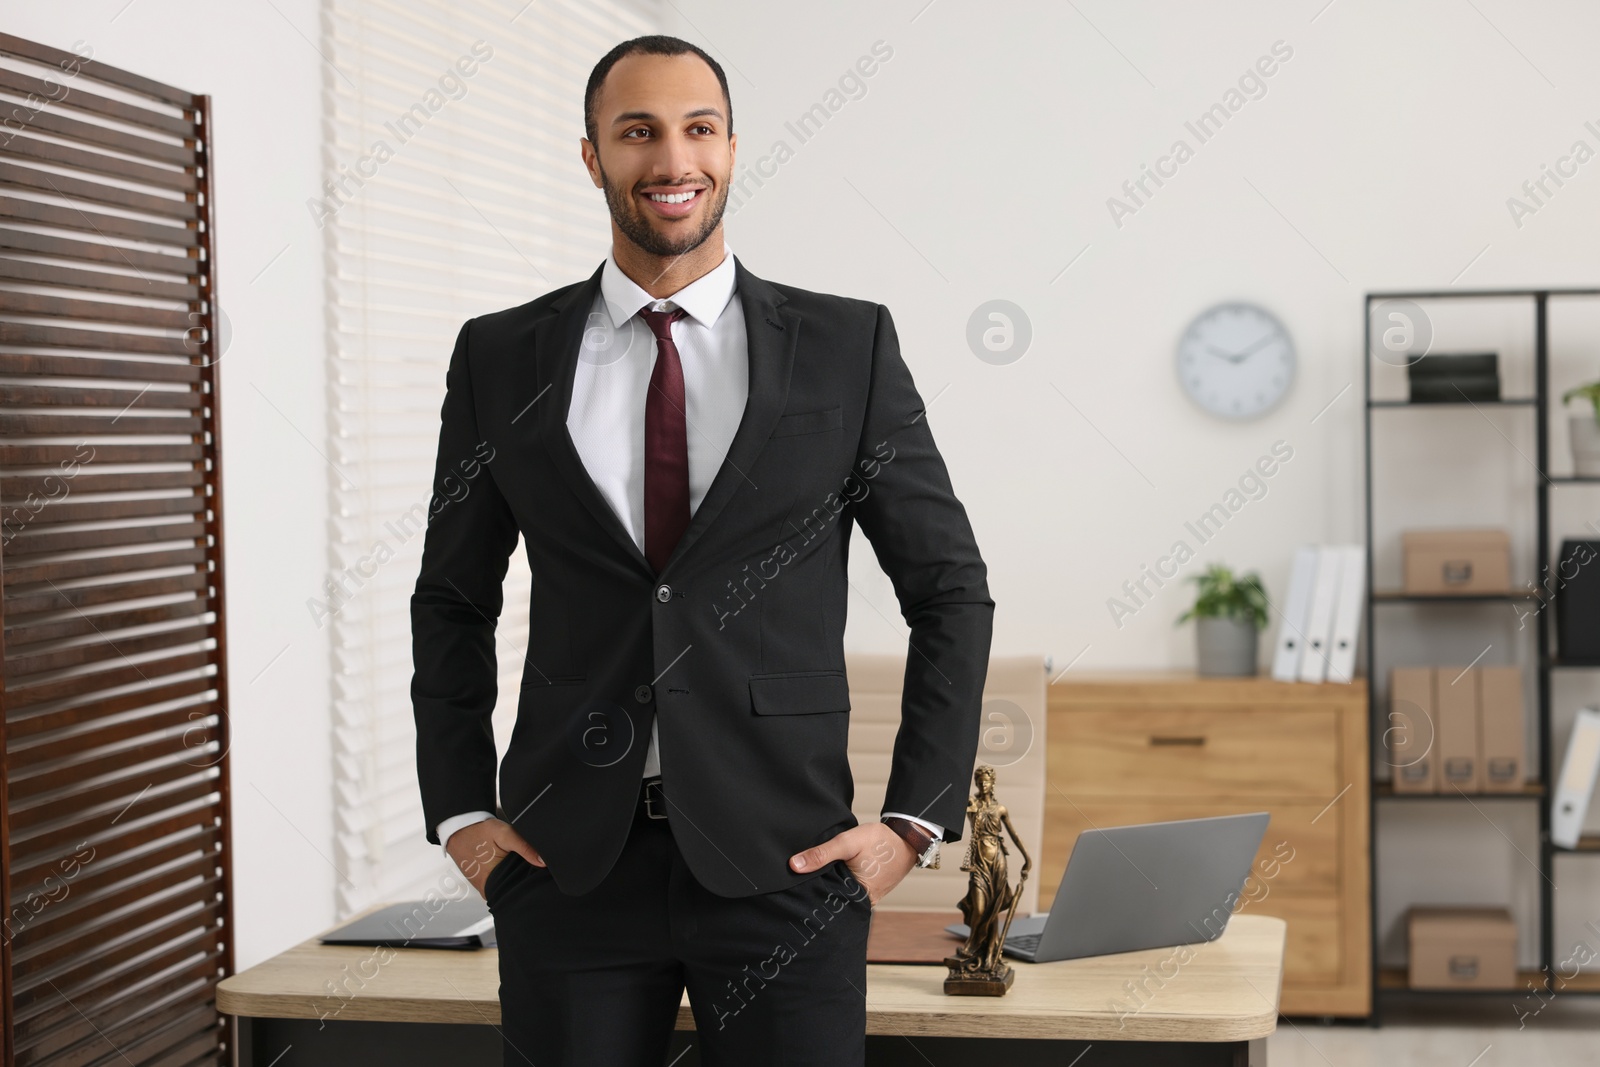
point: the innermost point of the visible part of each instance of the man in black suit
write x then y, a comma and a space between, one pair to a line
684, 448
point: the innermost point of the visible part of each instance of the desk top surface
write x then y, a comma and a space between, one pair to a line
1226, 990
1095, 686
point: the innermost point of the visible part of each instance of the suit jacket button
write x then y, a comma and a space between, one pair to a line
663, 593
642, 694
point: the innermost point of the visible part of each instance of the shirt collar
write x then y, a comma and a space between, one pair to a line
704, 298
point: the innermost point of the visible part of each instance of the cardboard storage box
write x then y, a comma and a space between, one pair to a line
1462, 948
1455, 702
1442, 562
1500, 729
1410, 739
1455, 729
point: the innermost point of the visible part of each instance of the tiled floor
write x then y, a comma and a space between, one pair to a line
1480, 1033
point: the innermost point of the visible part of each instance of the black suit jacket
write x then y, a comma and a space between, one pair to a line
737, 645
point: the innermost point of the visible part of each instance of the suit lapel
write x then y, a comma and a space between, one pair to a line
556, 339
772, 334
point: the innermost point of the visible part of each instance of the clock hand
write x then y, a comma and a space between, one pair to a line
1264, 339
1229, 356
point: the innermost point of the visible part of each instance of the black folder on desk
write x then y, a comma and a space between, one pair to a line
437, 923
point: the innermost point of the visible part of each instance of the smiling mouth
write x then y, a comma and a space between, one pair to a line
674, 205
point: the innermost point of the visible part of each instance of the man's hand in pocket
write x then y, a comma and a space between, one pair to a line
875, 854
480, 847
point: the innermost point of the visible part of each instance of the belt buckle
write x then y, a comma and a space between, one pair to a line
653, 793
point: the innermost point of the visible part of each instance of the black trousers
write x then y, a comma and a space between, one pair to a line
776, 979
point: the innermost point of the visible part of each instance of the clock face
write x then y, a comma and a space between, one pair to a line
1236, 361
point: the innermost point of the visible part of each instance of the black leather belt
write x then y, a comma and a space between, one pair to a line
655, 798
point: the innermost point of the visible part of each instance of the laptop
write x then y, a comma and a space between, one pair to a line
439, 922
1155, 885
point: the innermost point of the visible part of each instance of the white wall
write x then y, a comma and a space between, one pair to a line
977, 165
265, 82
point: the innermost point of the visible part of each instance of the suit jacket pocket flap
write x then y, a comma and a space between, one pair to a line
799, 694
809, 422
536, 680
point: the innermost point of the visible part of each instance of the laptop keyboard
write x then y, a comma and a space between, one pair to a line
1024, 942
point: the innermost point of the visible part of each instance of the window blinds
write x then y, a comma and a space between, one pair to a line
453, 188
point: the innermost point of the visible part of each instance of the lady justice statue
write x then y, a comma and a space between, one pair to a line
977, 968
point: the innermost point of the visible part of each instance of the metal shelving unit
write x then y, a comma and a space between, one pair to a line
1544, 980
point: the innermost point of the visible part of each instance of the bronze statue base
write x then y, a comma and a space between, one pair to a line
977, 984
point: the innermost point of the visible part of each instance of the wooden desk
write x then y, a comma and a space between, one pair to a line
317, 1004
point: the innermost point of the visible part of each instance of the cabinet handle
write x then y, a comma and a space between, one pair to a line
1191, 742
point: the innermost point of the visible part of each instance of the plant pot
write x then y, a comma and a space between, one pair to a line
1585, 437
1226, 647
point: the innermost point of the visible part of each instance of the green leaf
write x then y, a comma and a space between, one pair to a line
1220, 595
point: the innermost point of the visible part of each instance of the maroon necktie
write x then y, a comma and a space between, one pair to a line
666, 445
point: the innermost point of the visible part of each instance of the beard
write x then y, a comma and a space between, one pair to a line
631, 220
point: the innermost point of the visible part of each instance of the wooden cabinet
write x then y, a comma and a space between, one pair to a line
1134, 748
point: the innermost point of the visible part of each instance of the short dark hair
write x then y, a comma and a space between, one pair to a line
653, 45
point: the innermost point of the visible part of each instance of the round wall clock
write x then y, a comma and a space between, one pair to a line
1236, 361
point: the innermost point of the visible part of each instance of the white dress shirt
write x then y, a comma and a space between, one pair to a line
606, 417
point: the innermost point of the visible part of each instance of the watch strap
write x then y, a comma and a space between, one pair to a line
920, 840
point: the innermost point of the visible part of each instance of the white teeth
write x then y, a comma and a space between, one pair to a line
674, 198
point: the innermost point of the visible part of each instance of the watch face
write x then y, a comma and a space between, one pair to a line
1236, 361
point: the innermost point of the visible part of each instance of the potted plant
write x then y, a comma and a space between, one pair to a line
1230, 613
1585, 431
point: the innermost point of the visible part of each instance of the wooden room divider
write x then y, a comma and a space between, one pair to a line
114, 802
